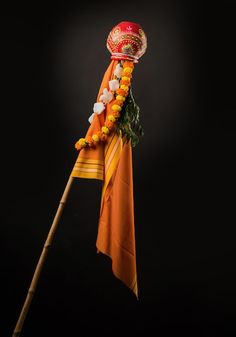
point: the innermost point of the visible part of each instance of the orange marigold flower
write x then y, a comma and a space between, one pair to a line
78, 146
125, 82
89, 140
80, 143
121, 92
128, 64
126, 74
110, 125
103, 137
99, 134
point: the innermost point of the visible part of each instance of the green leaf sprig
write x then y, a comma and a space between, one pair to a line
129, 121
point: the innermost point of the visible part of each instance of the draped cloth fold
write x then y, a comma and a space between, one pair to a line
112, 163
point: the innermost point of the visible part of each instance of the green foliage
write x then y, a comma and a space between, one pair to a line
128, 123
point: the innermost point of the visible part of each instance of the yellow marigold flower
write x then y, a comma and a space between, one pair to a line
124, 87
116, 114
95, 138
111, 118
128, 70
82, 142
105, 130
125, 78
116, 107
120, 103
120, 98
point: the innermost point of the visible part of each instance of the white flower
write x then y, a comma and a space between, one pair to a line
98, 108
114, 85
118, 71
91, 118
106, 97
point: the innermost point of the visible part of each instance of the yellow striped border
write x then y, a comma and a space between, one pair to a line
88, 168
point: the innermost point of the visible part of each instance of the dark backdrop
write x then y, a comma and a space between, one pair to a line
53, 57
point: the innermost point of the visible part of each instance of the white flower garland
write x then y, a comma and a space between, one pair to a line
107, 96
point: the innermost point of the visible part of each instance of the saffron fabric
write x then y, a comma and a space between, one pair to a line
112, 162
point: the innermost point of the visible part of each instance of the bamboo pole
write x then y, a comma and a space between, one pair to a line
42, 260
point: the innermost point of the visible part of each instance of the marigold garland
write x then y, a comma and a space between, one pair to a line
111, 119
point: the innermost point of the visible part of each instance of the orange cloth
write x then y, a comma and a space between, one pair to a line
116, 235
112, 163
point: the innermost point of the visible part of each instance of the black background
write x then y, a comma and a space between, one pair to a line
53, 57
